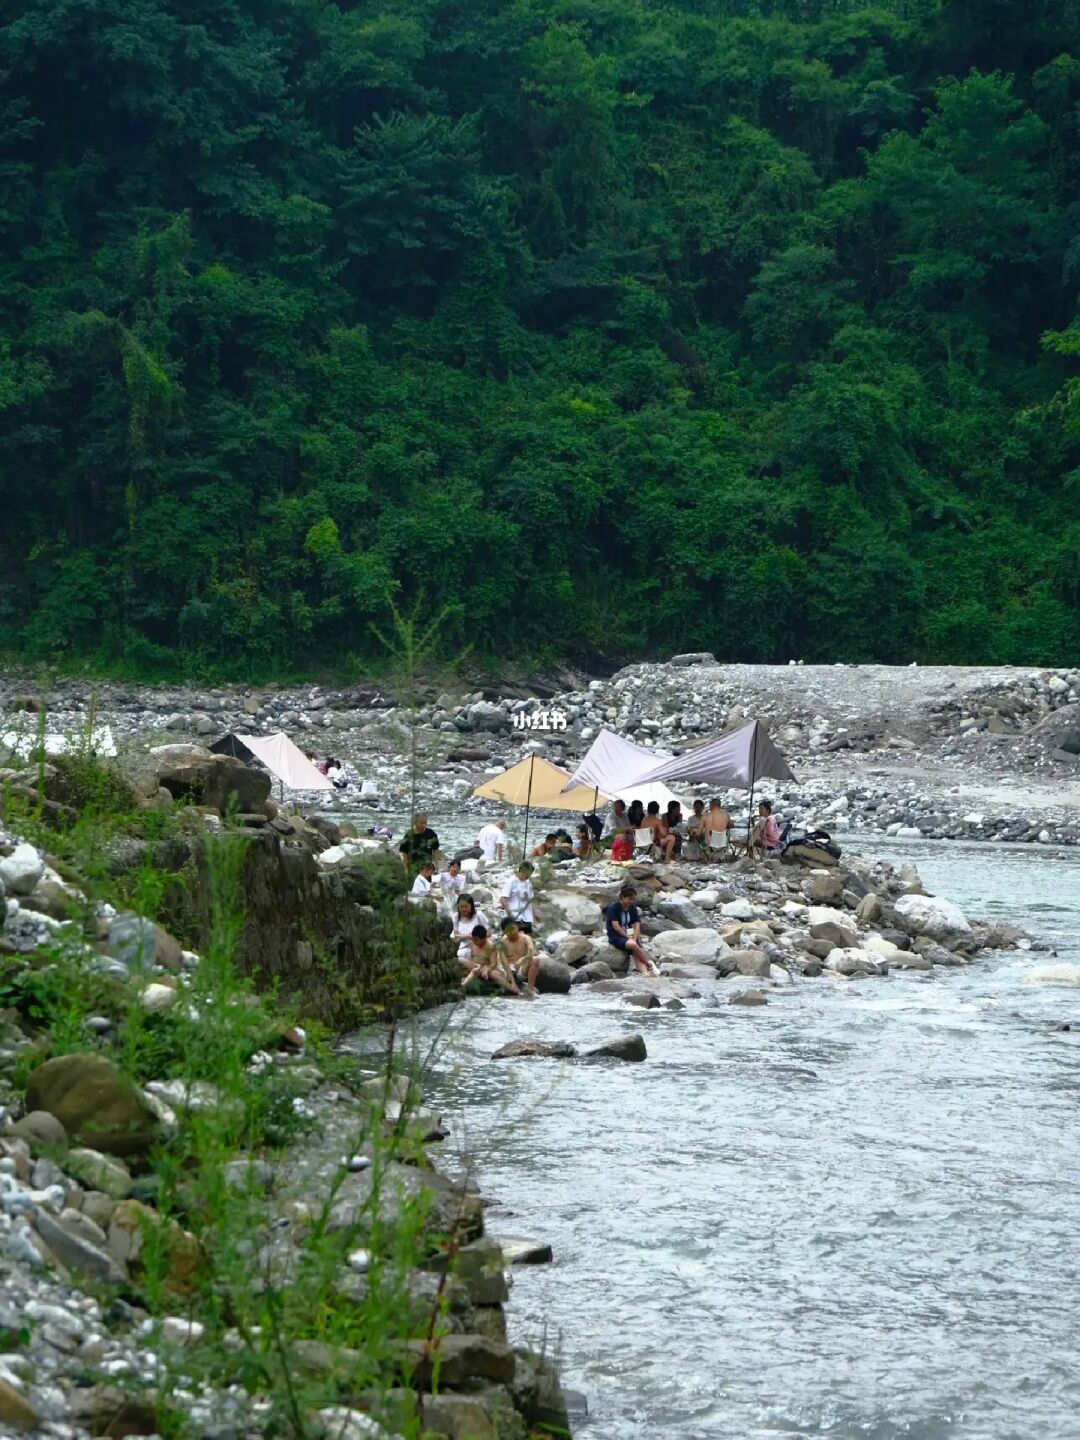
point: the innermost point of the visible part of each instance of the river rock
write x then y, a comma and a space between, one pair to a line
78, 1254
575, 950
687, 970
21, 870
553, 977
930, 915
823, 889
97, 1105
849, 960
642, 999
838, 936
579, 912
16, 1411
101, 1172
460, 1359
518, 1250
870, 909
701, 947
621, 1047
212, 780
533, 1048
739, 909
139, 942
751, 962
684, 913
41, 1131
593, 971
749, 997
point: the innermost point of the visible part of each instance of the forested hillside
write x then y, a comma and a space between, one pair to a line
629, 326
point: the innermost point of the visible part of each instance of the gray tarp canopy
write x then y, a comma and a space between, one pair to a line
735, 760
612, 764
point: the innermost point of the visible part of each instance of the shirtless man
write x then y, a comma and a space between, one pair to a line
520, 952
488, 963
662, 836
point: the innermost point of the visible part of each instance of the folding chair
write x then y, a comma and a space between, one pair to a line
643, 840
719, 845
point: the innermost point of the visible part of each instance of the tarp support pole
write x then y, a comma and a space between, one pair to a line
528, 803
753, 777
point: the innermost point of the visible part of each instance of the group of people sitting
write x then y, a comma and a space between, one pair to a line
707, 829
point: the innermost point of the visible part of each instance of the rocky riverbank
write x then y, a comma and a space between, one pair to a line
210, 1227
979, 753
754, 926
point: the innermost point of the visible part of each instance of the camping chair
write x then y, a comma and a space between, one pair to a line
719, 846
643, 841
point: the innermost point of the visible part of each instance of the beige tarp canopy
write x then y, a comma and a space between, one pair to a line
537, 782
285, 760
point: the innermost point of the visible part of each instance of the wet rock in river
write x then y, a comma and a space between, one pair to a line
620, 1047
533, 1048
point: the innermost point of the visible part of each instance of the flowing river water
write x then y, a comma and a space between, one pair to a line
853, 1213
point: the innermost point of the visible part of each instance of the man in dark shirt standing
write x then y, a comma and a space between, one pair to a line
419, 844
623, 920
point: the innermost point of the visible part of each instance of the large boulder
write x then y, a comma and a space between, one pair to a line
929, 915
553, 977
139, 942
630, 1046
838, 936
700, 947
218, 781
574, 950
21, 870
97, 1105
852, 961
684, 913
579, 912
751, 962
485, 715
590, 973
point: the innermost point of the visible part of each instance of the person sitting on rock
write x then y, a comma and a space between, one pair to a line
583, 845
673, 819
622, 847
544, 847
636, 815
422, 886
520, 952
662, 837
452, 881
486, 962
466, 919
623, 921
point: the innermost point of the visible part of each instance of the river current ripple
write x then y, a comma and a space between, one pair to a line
852, 1214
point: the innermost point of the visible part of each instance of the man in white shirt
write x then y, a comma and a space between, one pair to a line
492, 841
422, 885
616, 820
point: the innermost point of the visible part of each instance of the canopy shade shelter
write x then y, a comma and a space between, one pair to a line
536, 782
612, 765
735, 760
279, 755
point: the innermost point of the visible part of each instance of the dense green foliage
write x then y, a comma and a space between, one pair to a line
631, 327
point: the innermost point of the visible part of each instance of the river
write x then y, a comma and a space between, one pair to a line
851, 1214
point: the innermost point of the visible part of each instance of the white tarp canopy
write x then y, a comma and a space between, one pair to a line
735, 760
285, 760
612, 764
24, 742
